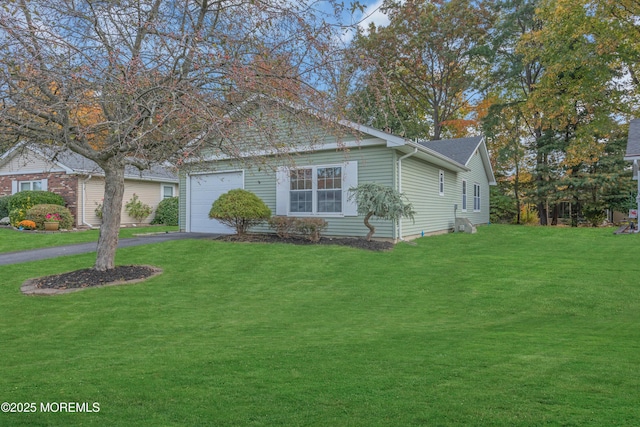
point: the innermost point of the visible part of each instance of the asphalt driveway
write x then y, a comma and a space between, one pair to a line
82, 248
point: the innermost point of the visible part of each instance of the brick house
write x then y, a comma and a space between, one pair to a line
80, 181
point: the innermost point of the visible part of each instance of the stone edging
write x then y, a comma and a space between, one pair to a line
29, 288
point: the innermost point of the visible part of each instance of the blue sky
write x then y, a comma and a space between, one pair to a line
371, 13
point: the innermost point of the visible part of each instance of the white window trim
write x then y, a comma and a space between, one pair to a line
162, 187
43, 185
465, 191
283, 191
314, 189
477, 207
441, 182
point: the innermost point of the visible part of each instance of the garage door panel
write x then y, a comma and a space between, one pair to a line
204, 190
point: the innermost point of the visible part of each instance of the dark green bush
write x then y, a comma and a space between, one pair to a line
167, 212
239, 209
25, 200
39, 213
4, 206
21, 202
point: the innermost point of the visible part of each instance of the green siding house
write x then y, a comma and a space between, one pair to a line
442, 179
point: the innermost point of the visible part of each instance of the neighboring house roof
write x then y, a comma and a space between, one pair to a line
74, 163
633, 141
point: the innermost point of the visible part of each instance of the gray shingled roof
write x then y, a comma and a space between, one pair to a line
82, 165
633, 140
459, 150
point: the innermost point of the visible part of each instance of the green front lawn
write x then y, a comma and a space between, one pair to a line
15, 240
513, 326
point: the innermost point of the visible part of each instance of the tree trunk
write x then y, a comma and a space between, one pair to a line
111, 214
371, 228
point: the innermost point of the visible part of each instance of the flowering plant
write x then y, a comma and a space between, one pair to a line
55, 217
25, 224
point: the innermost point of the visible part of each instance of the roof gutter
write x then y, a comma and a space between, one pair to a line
415, 150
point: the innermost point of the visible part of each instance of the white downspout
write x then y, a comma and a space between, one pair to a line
84, 201
415, 150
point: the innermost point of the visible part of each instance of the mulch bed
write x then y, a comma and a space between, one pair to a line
87, 278
373, 245
125, 274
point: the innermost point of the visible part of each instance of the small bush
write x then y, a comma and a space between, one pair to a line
39, 213
17, 215
25, 200
284, 226
310, 228
529, 216
136, 209
98, 210
594, 214
239, 209
4, 206
167, 212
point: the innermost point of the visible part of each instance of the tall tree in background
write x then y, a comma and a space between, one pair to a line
517, 73
431, 57
134, 82
587, 88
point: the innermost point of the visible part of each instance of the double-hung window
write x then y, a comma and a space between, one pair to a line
30, 185
167, 191
316, 189
301, 195
476, 197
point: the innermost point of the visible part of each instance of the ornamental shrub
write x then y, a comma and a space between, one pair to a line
284, 226
4, 206
167, 212
239, 209
25, 200
310, 228
136, 209
39, 213
17, 215
376, 200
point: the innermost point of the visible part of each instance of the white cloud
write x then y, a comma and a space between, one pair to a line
372, 14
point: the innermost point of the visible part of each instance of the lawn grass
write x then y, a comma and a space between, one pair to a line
16, 240
512, 326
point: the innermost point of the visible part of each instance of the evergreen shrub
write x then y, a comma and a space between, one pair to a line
4, 206
167, 212
240, 209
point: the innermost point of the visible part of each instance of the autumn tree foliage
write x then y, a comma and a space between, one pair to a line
137, 82
431, 57
563, 88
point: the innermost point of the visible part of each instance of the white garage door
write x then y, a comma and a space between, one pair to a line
204, 190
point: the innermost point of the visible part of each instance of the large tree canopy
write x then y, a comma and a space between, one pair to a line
136, 81
431, 56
